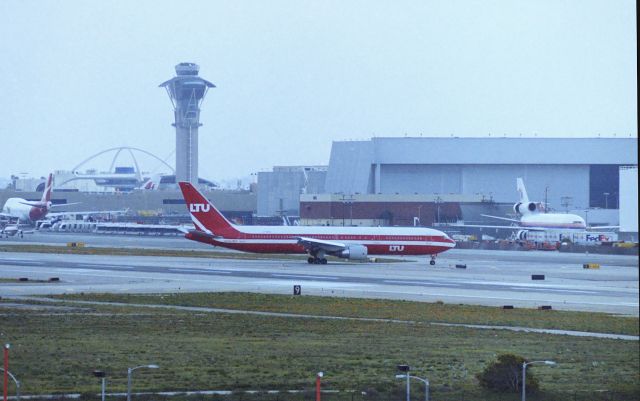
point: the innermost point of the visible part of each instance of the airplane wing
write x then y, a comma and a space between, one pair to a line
317, 244
514, 228
33, 204
595, 228
501, 218
85, 213
42, 206
65, 204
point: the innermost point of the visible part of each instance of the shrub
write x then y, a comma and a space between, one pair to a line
505, 375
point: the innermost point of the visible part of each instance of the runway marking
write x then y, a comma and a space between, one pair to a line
421, 283
202, 270
556, 290
22, 262
303, 276
117, 267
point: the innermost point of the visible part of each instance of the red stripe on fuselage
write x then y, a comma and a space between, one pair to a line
276, 245
213, 228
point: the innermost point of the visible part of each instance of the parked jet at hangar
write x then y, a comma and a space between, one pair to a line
532, 219
316, 241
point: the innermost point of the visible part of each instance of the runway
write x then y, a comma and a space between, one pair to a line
494, 278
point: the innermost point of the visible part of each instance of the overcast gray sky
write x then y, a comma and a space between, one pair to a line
78, 77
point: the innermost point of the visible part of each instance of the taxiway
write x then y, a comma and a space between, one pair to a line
494, 278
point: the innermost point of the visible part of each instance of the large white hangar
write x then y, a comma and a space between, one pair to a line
573, 173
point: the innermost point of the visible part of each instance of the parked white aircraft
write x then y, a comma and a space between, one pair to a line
532, 219
29, 211
32, 211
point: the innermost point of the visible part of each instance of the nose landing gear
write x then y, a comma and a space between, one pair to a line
433, 260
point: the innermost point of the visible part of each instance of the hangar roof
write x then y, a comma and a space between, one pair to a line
447, 150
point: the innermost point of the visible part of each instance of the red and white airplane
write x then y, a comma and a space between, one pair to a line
29, 211
316, 241
32, 211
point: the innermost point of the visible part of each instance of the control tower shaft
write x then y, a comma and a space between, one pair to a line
186, 91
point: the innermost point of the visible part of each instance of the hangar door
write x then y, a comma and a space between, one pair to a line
420, 178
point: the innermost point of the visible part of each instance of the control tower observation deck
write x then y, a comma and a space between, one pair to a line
186, 91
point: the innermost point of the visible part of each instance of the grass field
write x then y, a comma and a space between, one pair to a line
388, 309
56, 350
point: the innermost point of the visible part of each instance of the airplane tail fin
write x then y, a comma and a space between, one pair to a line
522, 191
204, 215
152, 183
46, 195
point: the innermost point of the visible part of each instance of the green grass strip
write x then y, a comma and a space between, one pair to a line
385, 309
54, 351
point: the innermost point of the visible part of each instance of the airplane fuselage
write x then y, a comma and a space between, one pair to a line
284, 239
16, 208
553, 220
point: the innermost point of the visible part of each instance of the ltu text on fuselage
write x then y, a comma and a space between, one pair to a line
211, 227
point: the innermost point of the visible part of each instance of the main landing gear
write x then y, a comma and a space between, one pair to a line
433, 260
317, 258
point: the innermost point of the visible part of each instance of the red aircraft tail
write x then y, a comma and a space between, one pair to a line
46, 195
204, 215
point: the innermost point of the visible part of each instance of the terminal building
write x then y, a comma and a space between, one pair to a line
466, 177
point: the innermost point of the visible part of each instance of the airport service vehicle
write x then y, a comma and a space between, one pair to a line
316, 241
13, 229
578, 237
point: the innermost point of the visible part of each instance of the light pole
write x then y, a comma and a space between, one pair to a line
129, 374
606, 200
16, 381
100, 374
405, 369
586, 217
425, 381
524, 375
318, 379
6, 368
438, 201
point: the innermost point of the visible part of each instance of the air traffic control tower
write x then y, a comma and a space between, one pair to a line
186, 91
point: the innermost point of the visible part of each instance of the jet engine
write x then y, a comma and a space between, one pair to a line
525, 208
521, 235
357, 252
